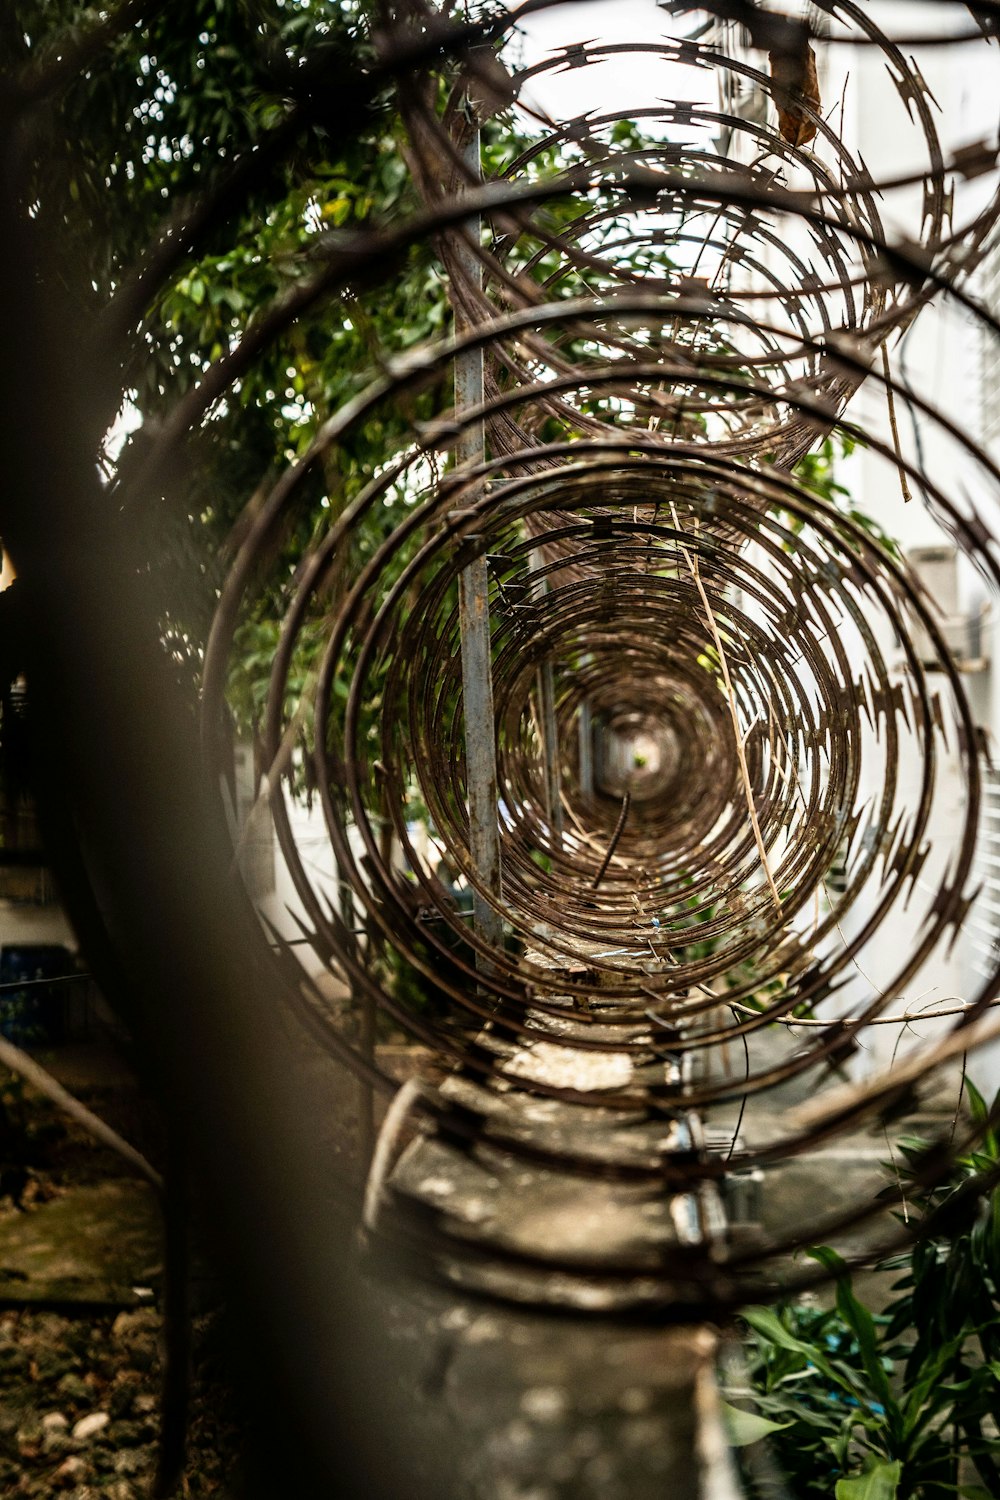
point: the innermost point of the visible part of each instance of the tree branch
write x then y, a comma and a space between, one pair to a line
32, 1072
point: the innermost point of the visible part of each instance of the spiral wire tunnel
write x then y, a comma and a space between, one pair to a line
722, 704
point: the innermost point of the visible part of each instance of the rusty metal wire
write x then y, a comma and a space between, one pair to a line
669, 326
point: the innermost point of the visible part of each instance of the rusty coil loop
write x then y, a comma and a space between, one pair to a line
774, 697
709, 199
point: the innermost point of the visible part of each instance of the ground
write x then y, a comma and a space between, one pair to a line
80, 1272
79, 1400
80, 1283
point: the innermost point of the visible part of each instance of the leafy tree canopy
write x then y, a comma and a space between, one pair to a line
266, 108
165, 109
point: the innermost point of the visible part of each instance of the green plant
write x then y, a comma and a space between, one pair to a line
816, 473
887, 1406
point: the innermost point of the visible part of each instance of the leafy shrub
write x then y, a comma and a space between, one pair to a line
903, 1404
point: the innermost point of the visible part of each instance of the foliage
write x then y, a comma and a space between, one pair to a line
163, 115
170, 107
885, 1406
816, 473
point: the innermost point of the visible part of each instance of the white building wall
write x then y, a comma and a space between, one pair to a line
938, 357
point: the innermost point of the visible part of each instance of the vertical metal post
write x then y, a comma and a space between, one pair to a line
547, 713
547, 693
586, 749
474, 624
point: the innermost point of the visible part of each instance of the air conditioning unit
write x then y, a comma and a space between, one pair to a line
964, 630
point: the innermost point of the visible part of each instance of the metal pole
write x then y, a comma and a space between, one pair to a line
474, 625
586, 749
547, 713
547, 693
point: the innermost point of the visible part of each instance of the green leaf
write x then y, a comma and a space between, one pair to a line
980, 1112
861, 1323
770, 1328
746, 1427
977, 1104
880, 1481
